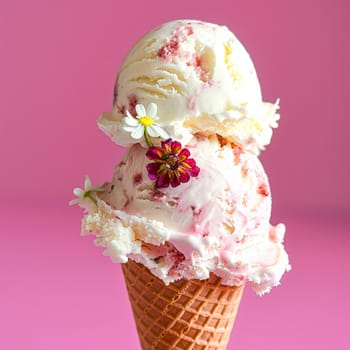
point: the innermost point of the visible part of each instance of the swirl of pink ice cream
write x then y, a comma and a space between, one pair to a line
218, 222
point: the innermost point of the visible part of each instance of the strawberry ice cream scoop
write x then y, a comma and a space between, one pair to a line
216, 222
203, 81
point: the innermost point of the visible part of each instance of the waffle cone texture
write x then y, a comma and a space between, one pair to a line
187, 314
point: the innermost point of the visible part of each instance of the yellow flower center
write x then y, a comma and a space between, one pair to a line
146, 121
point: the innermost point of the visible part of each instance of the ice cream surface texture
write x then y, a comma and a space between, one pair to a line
202, 80
190, 196
217, 222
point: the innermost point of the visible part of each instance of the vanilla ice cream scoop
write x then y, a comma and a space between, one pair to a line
203, 82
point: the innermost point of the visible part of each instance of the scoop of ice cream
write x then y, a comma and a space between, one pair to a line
217, 222
202, 80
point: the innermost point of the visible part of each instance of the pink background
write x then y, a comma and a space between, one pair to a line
58, 63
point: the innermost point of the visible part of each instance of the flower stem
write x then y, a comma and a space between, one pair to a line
147, 139
89, 195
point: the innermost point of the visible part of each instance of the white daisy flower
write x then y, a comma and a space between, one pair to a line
144, 124
85, 197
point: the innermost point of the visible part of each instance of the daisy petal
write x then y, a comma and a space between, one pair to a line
74, 201
78, 192
87, 183
152, 131
138, 132
140, 110
161, 132
152, 110
128, 128
131, 121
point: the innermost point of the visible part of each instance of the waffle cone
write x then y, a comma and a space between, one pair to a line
187, 314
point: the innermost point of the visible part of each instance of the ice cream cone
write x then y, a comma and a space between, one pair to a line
187, 314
